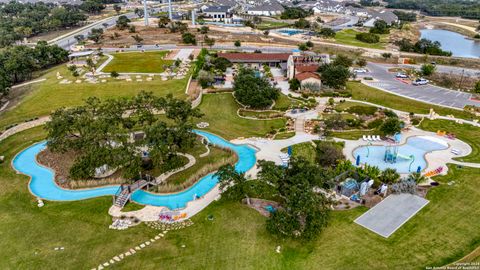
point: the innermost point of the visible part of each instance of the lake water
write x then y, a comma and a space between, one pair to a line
458, 44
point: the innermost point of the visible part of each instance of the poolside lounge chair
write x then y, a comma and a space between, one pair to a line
364, 137
377, 138
369, 138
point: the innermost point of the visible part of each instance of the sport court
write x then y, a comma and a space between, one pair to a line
390, 214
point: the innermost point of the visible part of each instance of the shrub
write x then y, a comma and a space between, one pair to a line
375, 123
362, 110
368, 37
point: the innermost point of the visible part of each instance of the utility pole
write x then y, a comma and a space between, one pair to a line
170, 9
193, 16
145, 12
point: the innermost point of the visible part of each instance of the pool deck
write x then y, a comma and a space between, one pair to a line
434, 159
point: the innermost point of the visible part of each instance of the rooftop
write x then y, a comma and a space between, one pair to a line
251, 57
307, 75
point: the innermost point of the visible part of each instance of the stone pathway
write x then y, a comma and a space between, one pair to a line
164, 176
132, 251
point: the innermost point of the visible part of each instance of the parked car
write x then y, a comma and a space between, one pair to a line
420, 81
401, 75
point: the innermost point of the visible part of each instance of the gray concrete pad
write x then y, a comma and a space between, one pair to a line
390, 214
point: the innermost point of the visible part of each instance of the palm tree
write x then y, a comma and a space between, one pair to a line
368, 171
417, 177
389, 176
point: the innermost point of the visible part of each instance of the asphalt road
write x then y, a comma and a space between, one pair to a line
386, 81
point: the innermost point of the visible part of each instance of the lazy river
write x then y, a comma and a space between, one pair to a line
416, 147
42, 183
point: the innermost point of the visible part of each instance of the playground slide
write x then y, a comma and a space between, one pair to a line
404, 157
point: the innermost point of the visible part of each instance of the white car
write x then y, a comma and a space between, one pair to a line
401, 75
360, 70
420, 81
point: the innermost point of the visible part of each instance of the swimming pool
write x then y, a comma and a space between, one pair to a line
290, 32
42, 182
416, 146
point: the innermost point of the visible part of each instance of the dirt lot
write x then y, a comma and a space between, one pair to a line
154, 35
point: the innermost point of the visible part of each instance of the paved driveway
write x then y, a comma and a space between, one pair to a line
427, 93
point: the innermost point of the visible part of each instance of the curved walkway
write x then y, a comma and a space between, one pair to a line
165, 176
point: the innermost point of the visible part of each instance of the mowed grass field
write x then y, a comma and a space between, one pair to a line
143, 62
221, 113
444, 231
49, 95
347, 37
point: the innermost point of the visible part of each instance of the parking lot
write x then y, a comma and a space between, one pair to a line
386, 81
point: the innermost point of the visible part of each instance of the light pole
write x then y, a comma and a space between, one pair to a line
145, 12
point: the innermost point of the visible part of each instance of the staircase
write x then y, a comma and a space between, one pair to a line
125, 192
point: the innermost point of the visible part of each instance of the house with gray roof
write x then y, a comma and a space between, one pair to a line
267, 8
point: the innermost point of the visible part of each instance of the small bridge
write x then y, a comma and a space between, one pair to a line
125, 191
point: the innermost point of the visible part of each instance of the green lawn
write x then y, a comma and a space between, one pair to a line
466, 133
305, 150
284, 103
284, 135
366, 93
142, 62
50, 95
221, 113
341, 106
347, 37
266, 25
353, 134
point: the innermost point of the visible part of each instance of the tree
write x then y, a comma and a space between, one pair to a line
386, 55
368, 37
99, 132
326, 32
92, 6
427, 69
328, 154
122, 22
391, 126
209, 41
266, 33
189, 38
309, 44
137, 39
477, 87
132, 29
252, 90
204, 29
96, 35
361, 62
114, 74
231, 182
302, 47
117, 8
294, 84
380, 27
302, 24
342, 60
304, 213
237, 43
163, 21
205, 78
295, 13
389, 176
91, 65
335, 76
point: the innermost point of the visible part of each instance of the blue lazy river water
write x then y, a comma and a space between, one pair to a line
417, 146
42, 182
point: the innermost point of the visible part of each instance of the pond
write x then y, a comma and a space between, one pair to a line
458, 44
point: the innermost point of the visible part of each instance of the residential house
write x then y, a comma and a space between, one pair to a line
270, 8
384, 15
257, 60
218, 13
309, 80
